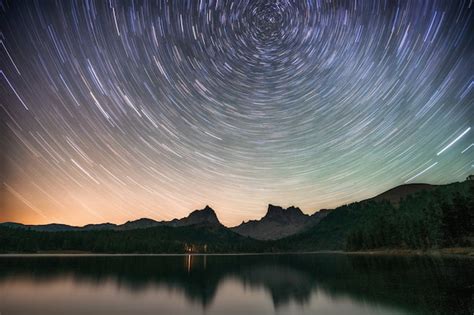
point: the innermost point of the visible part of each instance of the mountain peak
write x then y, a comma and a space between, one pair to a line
206, 216
273, 210
277, 212
277, 223
294, 210
207, 209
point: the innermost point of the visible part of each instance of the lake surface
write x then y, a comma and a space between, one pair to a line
240, 284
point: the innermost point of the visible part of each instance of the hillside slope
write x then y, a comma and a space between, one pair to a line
439, 216
161, 239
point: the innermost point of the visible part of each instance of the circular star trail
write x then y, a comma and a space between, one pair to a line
114, 110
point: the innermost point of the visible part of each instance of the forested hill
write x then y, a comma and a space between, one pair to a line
441, 216
160, 239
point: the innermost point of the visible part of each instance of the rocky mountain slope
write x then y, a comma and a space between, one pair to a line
279, 223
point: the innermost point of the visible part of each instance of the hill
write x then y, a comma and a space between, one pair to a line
160, 239
395, 195
430, 217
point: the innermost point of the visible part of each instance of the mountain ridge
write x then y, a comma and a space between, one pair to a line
202, 217
276, 224
426, 219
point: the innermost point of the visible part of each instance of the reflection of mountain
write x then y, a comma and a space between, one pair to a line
416, 284
284, 282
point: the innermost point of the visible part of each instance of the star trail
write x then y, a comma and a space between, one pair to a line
116, 110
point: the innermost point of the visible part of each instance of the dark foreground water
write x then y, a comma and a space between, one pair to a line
265, 284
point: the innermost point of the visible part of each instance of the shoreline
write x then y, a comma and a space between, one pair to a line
449, 251
466, 252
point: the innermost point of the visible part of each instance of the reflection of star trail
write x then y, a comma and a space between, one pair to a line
117, 110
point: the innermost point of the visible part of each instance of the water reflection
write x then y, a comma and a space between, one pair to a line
265, 284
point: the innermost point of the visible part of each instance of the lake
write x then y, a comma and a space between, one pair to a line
236, 284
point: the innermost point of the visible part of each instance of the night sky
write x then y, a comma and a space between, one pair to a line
112, 111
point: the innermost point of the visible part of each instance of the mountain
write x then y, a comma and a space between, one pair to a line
142, 223
406, 217
204, 217
53, 227
278, 223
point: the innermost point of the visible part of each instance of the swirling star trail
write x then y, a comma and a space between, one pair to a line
115, 110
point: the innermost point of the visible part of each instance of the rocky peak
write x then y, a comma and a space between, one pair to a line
204, 216
274, 211
294, 211
277, 213
277, 223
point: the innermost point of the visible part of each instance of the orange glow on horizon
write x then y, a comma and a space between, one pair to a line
38, 209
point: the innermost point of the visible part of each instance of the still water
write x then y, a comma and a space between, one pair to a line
243, 284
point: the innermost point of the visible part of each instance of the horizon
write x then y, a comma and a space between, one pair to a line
116, 110
285, 207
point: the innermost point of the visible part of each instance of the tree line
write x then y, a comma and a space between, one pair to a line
440, 218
